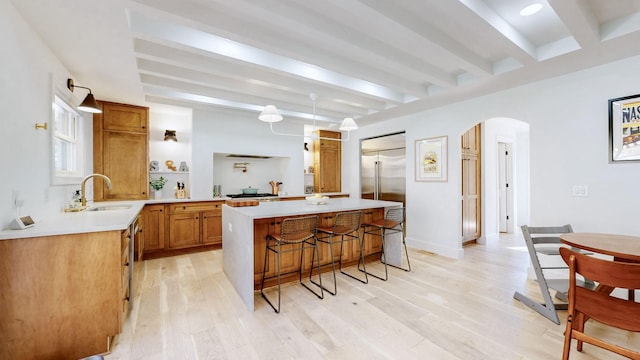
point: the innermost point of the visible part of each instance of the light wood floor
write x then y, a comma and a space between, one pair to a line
185, 308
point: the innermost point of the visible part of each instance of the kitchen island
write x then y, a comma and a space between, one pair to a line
245, 228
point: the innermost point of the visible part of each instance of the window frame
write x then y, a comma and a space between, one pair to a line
73, 137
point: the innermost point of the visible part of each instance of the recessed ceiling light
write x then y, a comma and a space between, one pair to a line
531, 9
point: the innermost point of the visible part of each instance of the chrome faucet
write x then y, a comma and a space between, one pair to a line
83, 199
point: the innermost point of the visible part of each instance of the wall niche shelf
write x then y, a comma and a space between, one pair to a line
167, 172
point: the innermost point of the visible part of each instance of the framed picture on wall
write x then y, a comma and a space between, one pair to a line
431, 159
624, 129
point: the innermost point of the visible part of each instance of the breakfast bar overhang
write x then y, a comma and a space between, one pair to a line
242, 234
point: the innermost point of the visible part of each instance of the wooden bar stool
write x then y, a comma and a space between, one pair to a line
393, 223
346, 227
300, 231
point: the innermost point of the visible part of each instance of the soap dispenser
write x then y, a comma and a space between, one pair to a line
76, 200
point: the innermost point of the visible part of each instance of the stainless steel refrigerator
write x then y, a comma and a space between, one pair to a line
383, 168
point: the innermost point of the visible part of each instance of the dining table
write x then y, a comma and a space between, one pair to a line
623, 248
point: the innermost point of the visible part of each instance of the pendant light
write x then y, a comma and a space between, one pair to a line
89, 103
271, 114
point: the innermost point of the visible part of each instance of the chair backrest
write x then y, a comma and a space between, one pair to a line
620, 313
347, 222
394, 218
536, 235
299, 229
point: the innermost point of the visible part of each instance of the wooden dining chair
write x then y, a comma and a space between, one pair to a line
599, 305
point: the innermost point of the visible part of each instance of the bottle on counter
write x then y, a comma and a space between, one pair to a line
76, 200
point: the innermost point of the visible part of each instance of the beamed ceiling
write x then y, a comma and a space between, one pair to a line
367, 59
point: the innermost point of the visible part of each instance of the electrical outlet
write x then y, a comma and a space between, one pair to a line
580, 190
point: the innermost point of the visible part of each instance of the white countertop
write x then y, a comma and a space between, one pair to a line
60, 223
301, 207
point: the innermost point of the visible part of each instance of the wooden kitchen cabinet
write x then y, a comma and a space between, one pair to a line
371, 243
125, 243
153, 217
212, 226
327, 162
62, 296
182, 226
120, 151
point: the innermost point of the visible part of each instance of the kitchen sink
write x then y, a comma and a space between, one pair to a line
109, 207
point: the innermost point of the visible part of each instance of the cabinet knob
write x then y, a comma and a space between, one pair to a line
143, 193
160, 210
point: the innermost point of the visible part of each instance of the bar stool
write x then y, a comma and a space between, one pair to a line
295, 231
346, 226
393, 223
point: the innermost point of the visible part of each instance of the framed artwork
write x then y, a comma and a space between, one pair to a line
624, 129
431, 159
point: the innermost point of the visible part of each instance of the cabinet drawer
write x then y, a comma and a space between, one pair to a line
194, 207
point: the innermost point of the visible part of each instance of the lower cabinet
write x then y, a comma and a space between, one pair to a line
175, 226
153, 218
125, 243
63, 296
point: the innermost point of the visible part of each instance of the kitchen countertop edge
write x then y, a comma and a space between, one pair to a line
61, 223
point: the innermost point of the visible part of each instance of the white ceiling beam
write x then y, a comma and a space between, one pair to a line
273, 82
509, 32
232, 49
183, 80
436, 43
579, 20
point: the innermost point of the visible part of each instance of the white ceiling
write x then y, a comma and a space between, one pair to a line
367, 59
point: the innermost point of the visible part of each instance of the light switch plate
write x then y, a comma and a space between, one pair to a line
580, 190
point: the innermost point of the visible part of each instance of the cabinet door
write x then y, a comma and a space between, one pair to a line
184, 230
122, 117
372, 243
212, 227
327, 162
139, 245
154, 227
125, 163
124, 276
325, 221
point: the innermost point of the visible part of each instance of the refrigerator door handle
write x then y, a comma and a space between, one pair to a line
376, 180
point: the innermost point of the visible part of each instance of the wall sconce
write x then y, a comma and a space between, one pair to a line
89, 103
170, 135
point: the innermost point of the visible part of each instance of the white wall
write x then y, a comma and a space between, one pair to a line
236, 133
568, 146
28, 73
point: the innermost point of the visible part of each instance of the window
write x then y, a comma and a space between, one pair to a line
68, 150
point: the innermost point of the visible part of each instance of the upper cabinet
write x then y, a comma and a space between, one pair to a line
127, 118
120, 151
327, 162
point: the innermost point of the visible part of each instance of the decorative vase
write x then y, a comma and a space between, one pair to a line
157, 194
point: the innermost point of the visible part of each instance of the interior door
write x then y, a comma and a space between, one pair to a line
505, 188
471, 178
